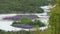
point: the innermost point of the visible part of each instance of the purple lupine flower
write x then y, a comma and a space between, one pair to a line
23, 25
12, 17
19, 17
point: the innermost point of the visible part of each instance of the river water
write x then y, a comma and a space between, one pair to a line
6, 24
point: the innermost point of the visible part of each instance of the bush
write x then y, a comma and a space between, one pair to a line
28, 21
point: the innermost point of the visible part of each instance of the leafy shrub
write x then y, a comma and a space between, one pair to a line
28, 22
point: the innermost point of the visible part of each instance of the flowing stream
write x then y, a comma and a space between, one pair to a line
6, 24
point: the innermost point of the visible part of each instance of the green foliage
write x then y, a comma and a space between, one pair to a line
55, 20
25, 20
16, 22
38, 22
37, 30
28, 21
22, 6
57, 1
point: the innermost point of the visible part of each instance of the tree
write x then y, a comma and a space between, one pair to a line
55, 19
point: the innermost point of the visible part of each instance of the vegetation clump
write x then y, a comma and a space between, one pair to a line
27, 22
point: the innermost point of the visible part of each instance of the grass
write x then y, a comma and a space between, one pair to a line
46, 32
